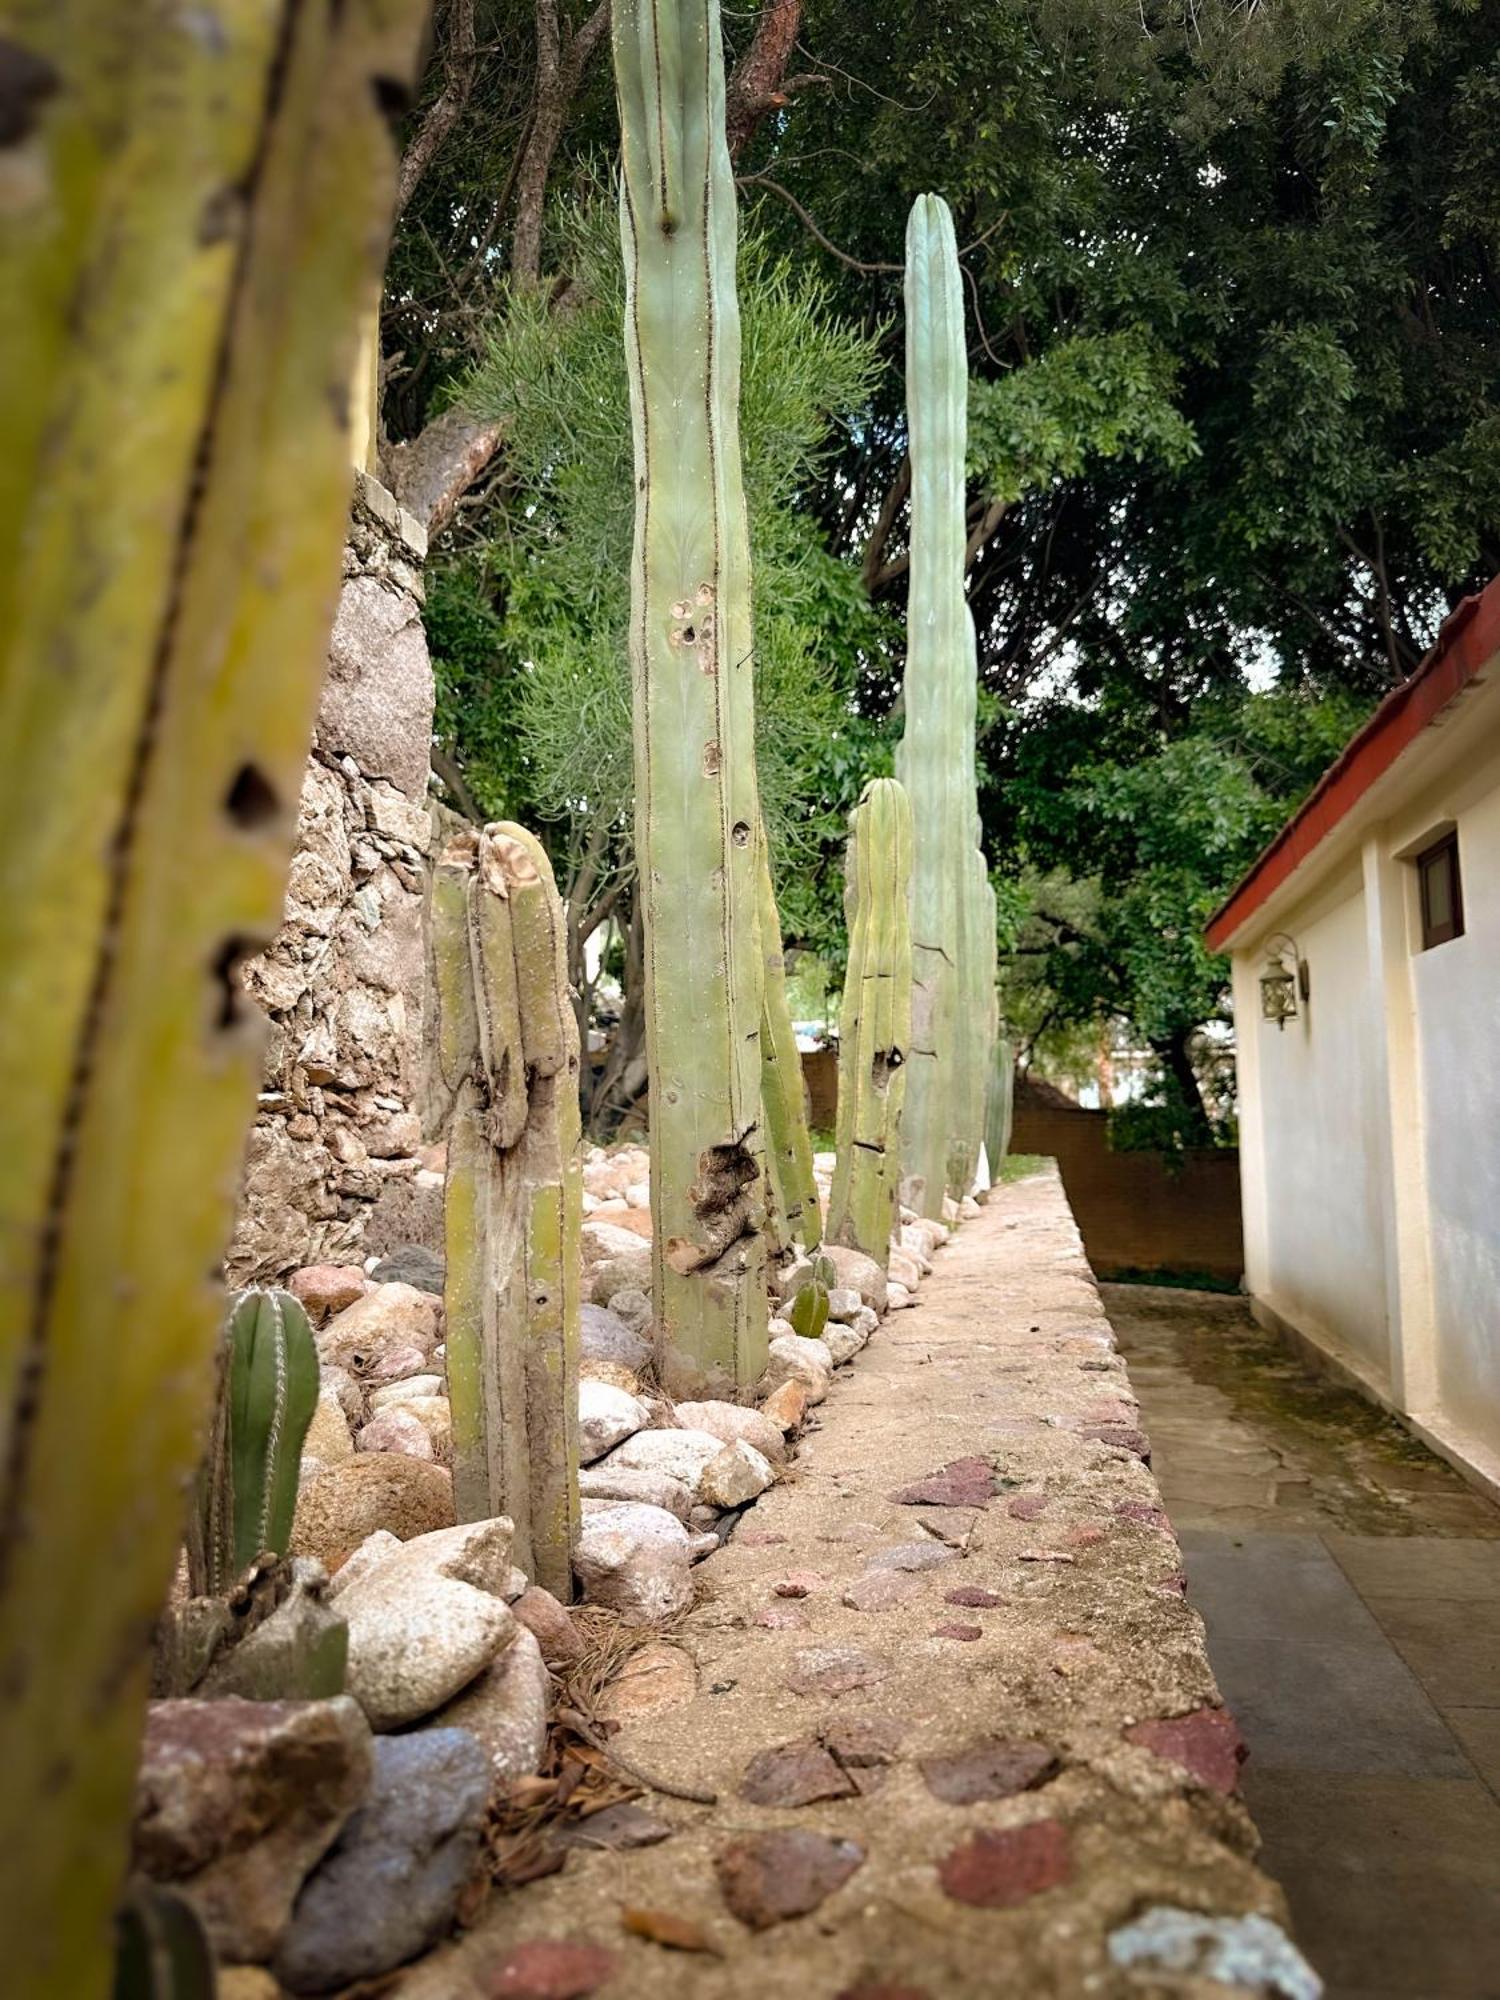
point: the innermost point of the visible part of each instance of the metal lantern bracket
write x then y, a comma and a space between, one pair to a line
1280, 984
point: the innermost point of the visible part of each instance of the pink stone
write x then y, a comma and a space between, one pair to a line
1027, 1506
798, 1583
1143, 1512
996, 1870
768, 1877
549, 1969
1085, 1538
972, 1598
956, 1631
1207, 1743
879, 1589
778, 1618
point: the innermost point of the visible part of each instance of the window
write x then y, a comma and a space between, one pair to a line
1441, 892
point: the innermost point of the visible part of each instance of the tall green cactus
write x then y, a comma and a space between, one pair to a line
247, 1487
195, 202
796, 1212
508, 1048
874, 1021
1000, 1104
697, 810
935, 760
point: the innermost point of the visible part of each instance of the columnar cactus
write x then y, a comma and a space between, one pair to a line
697, 811
874, 1021
976, 1026
796, 1214
508, 1050
1000, 1105
194, 214
247, 1487
935, 760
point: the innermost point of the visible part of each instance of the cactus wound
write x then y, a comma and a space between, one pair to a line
724, 1206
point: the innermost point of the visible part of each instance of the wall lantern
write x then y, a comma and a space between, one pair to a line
1285, 977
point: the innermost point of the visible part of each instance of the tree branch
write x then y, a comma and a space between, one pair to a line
872, 576
755, 85
460, 59
853, 263
559, 72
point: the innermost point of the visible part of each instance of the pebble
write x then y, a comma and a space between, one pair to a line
656, 1678
347, 1503
552, 1969
552, 1623
879, 1590
1206, 1743
324, 1289
835, 1670
786, 1407
390, 1319
993, 1768
405, 1392
398, 1430
799, 1583
795, 1774
731, 1421
738, 1475
808, 1363
963, 1482
967, 1633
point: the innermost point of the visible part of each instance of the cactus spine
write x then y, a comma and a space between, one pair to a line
508, 1048
697, 812
796, 1211
247, 1487
874, 1021
935, 760
194, 220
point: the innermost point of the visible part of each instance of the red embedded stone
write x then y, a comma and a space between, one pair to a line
862, 1741
996, 1870
795, 1774
835, 1670
552, 1970
991, 1769
878, 1590
879, 1992
1027, 1506
782, 1618
973, 1598
1126, 1436
1206, 1743
963, 1482
956, 1631
771, 1876
1142, 1511
1085, 1538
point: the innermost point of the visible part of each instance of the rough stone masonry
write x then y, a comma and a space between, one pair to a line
342, 982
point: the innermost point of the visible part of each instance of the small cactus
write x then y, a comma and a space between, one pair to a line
796, 1215
808, 1311
874, 1022
508, 1047
247, 1488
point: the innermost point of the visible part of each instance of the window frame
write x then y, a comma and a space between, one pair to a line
1434, 934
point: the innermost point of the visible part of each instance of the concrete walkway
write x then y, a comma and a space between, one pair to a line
953, 1712
1350, 1583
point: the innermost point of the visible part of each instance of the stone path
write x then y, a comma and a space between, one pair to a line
998, 1709
1351, 1586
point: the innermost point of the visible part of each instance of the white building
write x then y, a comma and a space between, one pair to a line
1370, 1119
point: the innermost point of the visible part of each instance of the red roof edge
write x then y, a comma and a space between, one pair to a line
1468, 641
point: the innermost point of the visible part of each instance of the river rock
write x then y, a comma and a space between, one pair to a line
787, 1407
738, 1475
637, 1561
552, 1625
506, 1709
400, 1364
844, 1302
842, 1342
412, 1264
633, 1306
896, 1297
389, 1886
426, 1621
396, 1429
603, 1239
324, 1289
606, 1417
858, 1272
793, 1359
328, 1438
372, 1551
649, 1489
435, 1415
341, 1385
391, 1318
348, 1502
605, 1335
680, 1454
628, 1271
903, 1270
236, 1801
391, 1393
729, 1421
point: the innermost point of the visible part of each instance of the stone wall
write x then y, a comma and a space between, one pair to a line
343, 981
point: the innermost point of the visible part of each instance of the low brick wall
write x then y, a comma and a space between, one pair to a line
1139, 1213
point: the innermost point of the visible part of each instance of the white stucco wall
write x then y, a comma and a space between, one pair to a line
1370, 1126
1319, 1261
1457, 1008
